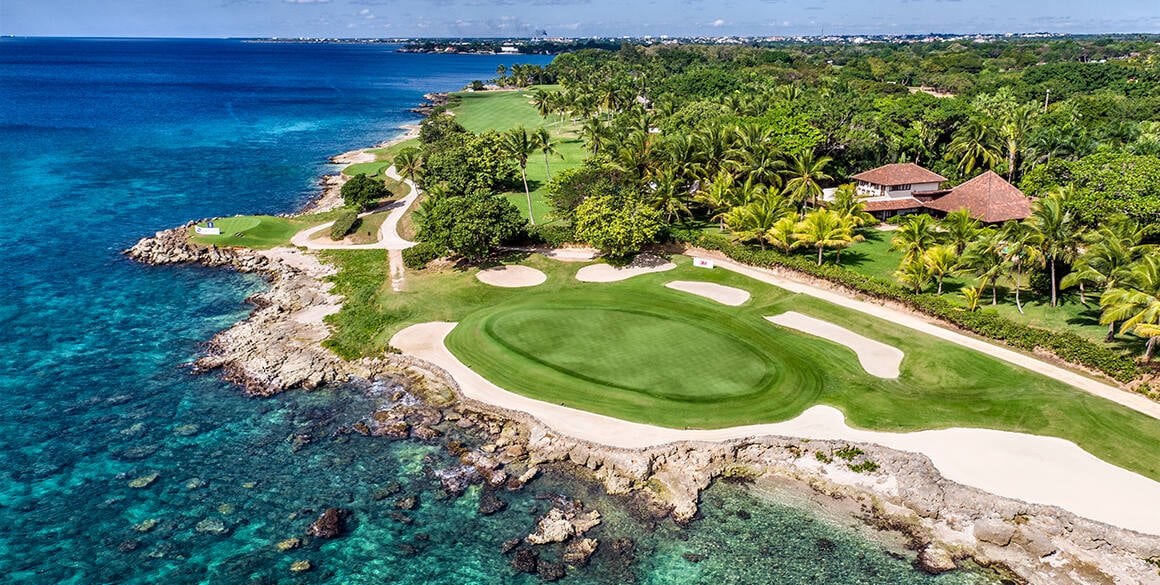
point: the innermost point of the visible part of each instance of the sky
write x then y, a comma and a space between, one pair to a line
566, 18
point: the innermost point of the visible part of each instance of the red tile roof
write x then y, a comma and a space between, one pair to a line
899, 174
893, 204
989, 198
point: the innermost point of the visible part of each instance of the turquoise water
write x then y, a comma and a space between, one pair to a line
102, 142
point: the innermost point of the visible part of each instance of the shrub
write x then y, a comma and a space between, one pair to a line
1067, 346
554, 236
418, 256
863, 467
360, 191
344, 224
848, 452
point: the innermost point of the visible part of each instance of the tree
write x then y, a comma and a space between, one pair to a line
971, 295
752, 220
718, 196
914, 237
543, 102
361, 191
669, 196
913, 273
1135, 300
518, 144
941, 261
823, 229
781, 234
617, 226
436, 127
1108, 253
501, 74
985, 259
848, 205
471, 225
959, 229
1020, 250
595, 136
572, 186
407, 163
542, 141
1056, 233
975, 145
804, 173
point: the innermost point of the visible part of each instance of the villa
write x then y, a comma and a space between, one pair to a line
905, 188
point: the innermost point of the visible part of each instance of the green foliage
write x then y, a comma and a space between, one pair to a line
823, 457
361, 191
418, 256
465, 162
344, 224
361, 274
568, 189
617, 226
1068, 346
552, 235
866, 466
1104, 184
849, 452
471, 225
437, 127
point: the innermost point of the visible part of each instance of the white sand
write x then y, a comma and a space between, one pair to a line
512, 276
1041, 470
726, 295
643, 264
877, 358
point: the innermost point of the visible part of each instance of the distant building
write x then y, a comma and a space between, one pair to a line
508, 50
989, 198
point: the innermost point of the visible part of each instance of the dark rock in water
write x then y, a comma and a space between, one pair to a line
456, 448
693, 557
826, 545
551, 571
422, 537
457, 479
742, 514
401, 518
407, 503
397, 430
127, 546
525, 561
426, 433
330, 524
136, 452
361, 428
489, 503
624, 547
510, 545
408, 549
298, 441
578, 551
387, 491
936, 560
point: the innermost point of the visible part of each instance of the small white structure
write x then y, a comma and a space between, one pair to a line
209, 230
702, 263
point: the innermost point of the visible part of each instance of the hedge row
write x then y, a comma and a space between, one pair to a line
1067, 346
344, 224
416, 257
554, 235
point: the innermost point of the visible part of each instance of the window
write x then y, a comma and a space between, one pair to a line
900, 187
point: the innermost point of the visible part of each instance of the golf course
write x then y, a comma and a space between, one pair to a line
639, 351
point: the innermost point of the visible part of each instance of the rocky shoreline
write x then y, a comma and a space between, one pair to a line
277, 349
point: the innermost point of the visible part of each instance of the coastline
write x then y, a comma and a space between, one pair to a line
278, 348
330, 196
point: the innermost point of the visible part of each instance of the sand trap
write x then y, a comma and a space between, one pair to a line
726, 295
1041, 470
513, 276
643, 264
877, 358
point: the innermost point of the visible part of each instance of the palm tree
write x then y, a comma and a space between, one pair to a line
718, 196
941, 261
1108, 253
595, 136
1056, 233
781, 234
804, 172
913, 273
959, 229
823, 229
519, 146
971, 295
754, 219
501, 74
1135, 300
762, 165
542, 141
407, 163
543, 100
1013, 132
976, 145
848, 205
914, 237
985, 258
1021, 248
669, 196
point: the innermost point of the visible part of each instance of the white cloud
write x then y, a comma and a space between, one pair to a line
718, 22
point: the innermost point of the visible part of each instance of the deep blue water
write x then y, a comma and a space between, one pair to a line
105, 141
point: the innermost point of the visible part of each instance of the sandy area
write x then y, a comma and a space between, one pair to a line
643, 264
877, 358
726, 295
1042, 470
513, 276
577, 254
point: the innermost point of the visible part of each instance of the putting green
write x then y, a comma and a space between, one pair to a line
233, 225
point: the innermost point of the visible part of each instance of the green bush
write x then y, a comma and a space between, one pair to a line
552, 236
1067, 346
418, 256
344, 224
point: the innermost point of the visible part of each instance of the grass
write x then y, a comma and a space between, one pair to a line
639, 351
365, 230
260, 231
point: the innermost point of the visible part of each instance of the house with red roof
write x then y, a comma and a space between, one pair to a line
989, 198
905, 188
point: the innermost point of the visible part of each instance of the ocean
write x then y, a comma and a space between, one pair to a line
104, 141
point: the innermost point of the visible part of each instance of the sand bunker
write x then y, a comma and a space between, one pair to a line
726, 295
643, 264
877, 358
1041, 470
513, 276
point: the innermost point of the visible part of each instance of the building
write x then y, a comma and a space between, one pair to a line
989, 198
897, 189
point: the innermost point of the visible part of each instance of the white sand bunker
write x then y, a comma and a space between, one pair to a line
877, 358
512, 276
642, 264
726, 295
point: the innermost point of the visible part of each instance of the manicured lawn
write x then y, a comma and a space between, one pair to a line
366, 230
639, 351
260, 231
